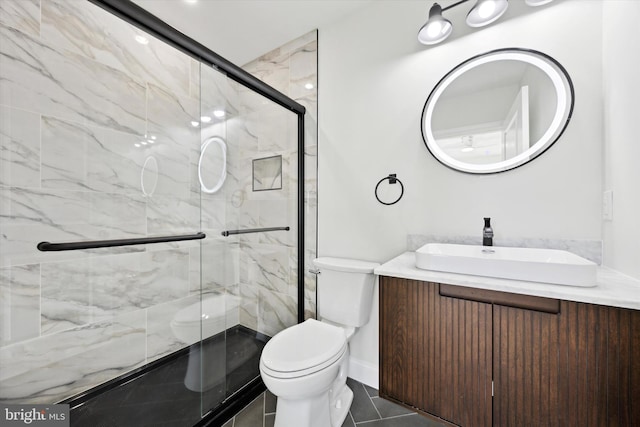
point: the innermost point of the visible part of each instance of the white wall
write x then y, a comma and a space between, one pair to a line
374, 78
622, 142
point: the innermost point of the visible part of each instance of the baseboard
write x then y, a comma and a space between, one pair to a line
364, 372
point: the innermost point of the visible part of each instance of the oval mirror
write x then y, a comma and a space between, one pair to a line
497, 111
212, 166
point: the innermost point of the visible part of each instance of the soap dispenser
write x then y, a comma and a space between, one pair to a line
487, 233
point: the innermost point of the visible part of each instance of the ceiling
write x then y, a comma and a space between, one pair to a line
242, 30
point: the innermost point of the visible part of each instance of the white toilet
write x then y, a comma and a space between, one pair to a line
201, 320
306, 365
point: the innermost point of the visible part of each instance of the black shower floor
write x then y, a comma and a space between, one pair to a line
158, 397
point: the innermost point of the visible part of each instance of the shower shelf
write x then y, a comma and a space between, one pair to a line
254, 230
93, 244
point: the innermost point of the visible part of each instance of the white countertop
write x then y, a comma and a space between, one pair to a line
613, 288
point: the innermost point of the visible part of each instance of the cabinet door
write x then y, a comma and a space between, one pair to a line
435, 351
526, 363
580, 367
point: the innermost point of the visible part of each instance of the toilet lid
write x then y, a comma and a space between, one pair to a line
303, 349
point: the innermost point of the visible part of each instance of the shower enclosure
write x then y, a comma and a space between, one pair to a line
151, 217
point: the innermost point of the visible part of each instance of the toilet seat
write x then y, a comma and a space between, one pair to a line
303, 349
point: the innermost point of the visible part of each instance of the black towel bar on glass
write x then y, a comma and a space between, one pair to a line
253, 230
94, 244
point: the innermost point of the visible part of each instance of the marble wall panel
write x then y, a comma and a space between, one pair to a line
218, 92
19, 303
249, 298
160, 337
93, 289
169, 122
277, 128
19, 148
85, 29
299, 59
22, 15
195, 78
84, 158
51, 368
36, 77
276, 312
168, 215
266, 266
29, 216
214, 265
303, 70
273, 69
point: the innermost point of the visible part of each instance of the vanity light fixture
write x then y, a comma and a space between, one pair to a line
484, 12
437, 28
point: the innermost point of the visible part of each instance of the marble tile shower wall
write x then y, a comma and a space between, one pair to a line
77, 94
293, 70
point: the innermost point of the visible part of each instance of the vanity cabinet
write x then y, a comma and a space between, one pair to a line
481, 358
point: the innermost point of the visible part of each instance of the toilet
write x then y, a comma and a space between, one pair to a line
201, 320
306, 366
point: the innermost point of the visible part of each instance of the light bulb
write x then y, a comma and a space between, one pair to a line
486, 9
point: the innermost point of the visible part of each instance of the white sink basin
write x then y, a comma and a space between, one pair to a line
535, 265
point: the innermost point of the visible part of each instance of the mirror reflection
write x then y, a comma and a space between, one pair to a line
497, 111
212, 166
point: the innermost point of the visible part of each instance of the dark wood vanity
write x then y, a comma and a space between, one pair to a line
477, 357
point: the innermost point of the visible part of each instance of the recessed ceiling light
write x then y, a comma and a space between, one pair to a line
467, 149
205, 119
150, 141
143, 142
142, 39
137, 145
191, 1
218, 113
308, 86
195, 124
153, 137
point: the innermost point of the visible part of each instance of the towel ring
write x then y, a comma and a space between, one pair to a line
392, 180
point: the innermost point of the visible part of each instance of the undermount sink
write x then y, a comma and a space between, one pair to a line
530, 264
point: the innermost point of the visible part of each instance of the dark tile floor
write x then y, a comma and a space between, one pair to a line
367, 410
159, 398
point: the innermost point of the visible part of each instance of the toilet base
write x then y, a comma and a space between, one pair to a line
316, 412
339, 414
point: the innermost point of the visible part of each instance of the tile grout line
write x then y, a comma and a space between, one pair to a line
388, 418
371, 400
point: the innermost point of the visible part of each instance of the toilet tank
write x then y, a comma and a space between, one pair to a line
345, 290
